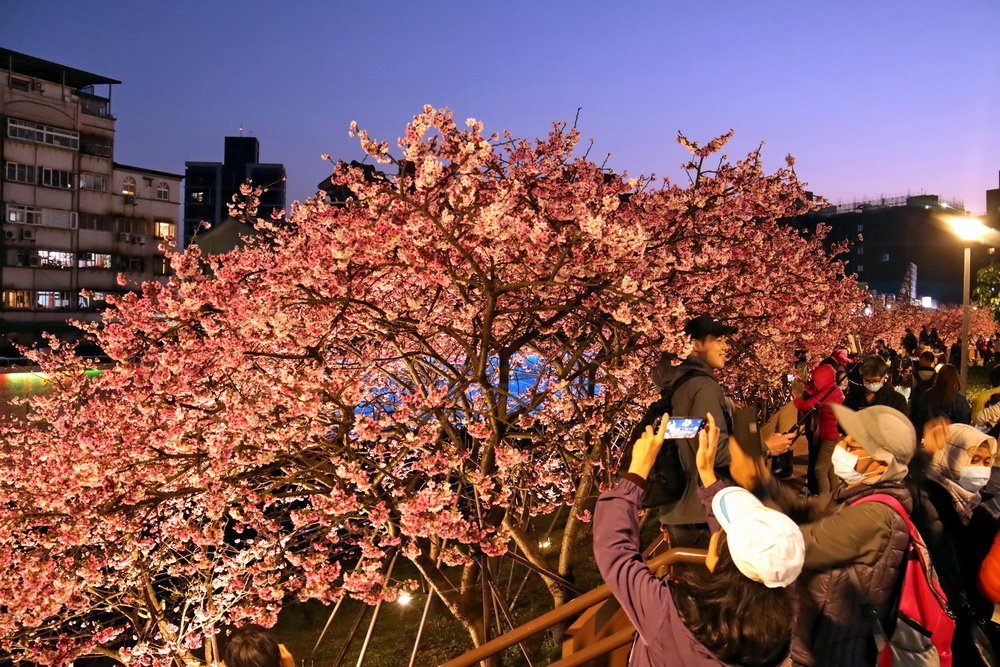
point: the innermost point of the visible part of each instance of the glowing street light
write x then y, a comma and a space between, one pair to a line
404, 598
970, 230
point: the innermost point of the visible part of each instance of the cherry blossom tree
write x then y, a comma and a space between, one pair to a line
425, 371
889, 321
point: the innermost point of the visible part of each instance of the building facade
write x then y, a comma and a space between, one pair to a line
211, 186
73, 219
901, 244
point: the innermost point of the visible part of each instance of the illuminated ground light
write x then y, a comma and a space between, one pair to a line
404, 598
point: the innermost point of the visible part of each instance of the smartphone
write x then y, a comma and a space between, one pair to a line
683, 427
746, 432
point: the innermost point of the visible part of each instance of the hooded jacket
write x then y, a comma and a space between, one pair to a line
824, 378
696, 397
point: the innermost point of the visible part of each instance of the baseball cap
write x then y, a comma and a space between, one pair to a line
766, 545
879, 427
706, 325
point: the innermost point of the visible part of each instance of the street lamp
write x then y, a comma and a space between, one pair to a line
969, 230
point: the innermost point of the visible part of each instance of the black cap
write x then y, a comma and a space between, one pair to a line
706, 325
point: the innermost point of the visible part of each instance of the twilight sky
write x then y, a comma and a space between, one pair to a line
873, 98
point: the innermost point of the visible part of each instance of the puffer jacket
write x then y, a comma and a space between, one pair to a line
822, 392
696, 397
831, 629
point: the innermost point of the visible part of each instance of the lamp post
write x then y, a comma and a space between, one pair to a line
970, 230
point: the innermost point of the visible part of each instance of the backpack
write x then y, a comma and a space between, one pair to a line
667, 480
921, 625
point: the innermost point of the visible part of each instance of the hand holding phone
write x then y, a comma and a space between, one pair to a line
682, 427
708, 444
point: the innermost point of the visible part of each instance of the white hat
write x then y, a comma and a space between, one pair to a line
765, 544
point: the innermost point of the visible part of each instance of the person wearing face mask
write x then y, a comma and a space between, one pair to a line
954, 482
875, 388
841, 535
923, 377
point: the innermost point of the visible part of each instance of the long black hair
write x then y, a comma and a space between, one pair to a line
741, 621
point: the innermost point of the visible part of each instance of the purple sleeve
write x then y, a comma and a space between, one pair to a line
645, 598
705, 495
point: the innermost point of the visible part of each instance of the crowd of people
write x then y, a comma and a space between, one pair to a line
900, 470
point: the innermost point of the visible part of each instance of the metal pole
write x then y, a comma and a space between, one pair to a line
378, 608
964, 370
420, 630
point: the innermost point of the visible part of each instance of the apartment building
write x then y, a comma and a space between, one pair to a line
73, 218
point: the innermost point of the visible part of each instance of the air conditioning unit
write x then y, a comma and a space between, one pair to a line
124, 237
34, 260
28, 234
36, 85
9, 235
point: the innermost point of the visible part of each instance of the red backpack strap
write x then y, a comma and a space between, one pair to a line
892, 502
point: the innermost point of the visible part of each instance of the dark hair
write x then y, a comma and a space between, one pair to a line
946, 385
874, 365
740, 620
927, 355
252, 646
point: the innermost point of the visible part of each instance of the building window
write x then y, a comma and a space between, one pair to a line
20, 173
90, 181
128, 186
95, 145
162, 230
49, 300
20, 84
42, 134
162, 265
16, 299
861, 267
24, 215
93, 299
93, 260
197, 196
885, 257
55, 259
163, 191
860, 250
56, 178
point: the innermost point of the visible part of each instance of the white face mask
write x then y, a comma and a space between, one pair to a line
873, 387
973, 478
843, 465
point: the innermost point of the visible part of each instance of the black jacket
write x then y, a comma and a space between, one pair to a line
887, 395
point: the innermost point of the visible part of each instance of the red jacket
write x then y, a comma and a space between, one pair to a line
823, 378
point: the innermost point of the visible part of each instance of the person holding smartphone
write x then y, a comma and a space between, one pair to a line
735, 609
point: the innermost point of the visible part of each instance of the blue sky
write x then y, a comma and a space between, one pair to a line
875, 98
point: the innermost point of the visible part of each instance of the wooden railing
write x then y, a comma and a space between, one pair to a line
598, 632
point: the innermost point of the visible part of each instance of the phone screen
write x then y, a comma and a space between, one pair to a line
683, 427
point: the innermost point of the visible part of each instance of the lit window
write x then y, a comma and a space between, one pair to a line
93, 260
163, 191
55, 259
197, 196
162, 230
861, 267
885, 257
24, 215
47, 300
860, 250
16, 299
128, 186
